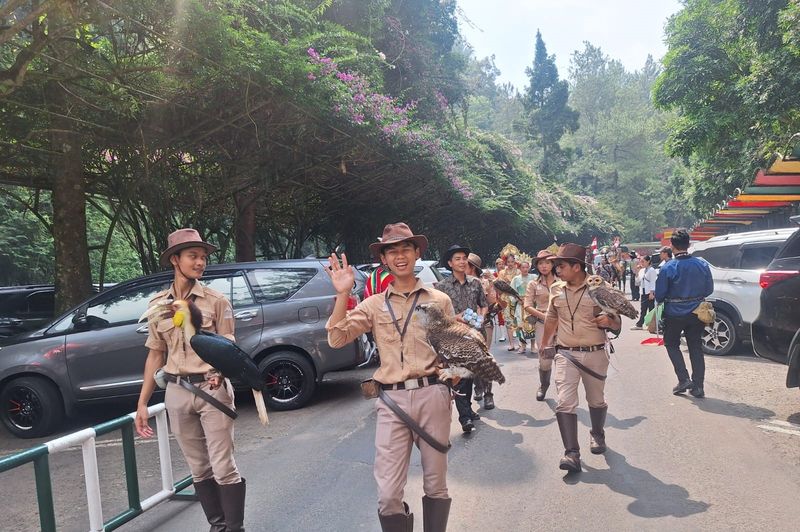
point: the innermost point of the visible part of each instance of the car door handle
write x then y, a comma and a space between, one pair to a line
737, 280
142, 330
246, 315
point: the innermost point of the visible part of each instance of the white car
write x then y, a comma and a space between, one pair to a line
424, 269
736, 261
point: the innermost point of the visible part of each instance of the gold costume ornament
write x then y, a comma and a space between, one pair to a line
509, 249
523, 257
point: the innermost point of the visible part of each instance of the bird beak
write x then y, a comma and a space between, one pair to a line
155, 310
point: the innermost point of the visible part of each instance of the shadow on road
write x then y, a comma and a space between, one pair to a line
727, 408
611, 420
512, 418
653, 498
507, 463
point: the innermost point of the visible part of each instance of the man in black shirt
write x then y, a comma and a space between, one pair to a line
466, 292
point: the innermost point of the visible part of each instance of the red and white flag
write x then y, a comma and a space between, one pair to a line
594, 244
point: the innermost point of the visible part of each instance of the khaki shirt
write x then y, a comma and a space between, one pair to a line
578, 331
418, 359
537, 295
164, 336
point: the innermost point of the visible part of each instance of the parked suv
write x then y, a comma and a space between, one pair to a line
96, 350
28, 307
736, 261
776, 331
23, 308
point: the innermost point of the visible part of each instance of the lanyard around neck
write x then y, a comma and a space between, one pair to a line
577, 306
402, 332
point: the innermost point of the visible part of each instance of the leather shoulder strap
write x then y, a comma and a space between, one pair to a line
394, 407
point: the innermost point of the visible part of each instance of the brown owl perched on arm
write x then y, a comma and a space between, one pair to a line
612, 301
460, 346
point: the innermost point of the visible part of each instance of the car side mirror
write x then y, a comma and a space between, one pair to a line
84, 322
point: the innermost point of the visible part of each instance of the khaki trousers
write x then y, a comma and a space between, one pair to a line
567, 377
204, 433
545, 364
431, 408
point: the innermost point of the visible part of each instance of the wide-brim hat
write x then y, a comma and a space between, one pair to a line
476, 262
571, 252
182, 239
543, 255
395, 233
449, 255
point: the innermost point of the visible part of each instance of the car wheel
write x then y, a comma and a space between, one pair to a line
290, 380
720, 337
30, 407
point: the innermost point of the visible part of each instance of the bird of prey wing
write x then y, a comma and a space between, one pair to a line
462, 346
506, 288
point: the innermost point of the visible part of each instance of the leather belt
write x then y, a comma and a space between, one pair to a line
411, 384
194, 378
582, 348
185, 381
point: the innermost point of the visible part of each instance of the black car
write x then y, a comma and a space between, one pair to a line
776, 331
24, 308
27, 307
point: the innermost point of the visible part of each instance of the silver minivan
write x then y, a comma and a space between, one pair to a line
95, 351
736, 262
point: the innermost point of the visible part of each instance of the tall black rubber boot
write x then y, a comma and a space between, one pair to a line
232, 496
434, 514
208, 494
597, 436
568, 425
397, 522
544, 384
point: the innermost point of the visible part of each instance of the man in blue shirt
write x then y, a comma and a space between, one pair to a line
682, 284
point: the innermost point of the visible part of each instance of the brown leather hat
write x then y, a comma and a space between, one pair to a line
543, 255
394, 233
182, 239
476, 262
571, 252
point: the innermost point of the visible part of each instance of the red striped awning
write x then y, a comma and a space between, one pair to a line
777, 180
736, 203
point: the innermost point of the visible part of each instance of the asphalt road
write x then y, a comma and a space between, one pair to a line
726, 462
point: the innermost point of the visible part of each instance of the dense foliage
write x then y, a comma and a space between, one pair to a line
732, 72
278, 129
292, 127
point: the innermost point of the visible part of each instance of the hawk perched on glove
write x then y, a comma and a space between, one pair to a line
460, 347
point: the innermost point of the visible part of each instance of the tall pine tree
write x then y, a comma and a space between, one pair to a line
547, 115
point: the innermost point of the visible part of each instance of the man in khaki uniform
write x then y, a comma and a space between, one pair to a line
580, 355
407, 375
203, 431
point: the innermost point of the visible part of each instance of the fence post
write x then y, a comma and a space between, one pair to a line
131, 474
92, 478
44, 493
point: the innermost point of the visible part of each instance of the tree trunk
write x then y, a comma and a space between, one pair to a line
245, 227
73, 278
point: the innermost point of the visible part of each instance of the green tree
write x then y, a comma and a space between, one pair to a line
548, 115
732, 74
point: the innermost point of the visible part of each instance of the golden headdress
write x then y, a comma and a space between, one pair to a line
523, 257
509, 249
